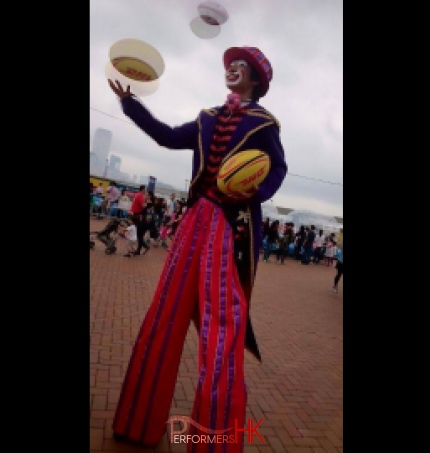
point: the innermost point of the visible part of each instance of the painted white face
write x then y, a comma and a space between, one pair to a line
234, 73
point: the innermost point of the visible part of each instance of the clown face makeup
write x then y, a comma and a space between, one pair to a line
238, 78
235, 72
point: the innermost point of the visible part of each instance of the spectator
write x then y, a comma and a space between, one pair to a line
272, 239
164, 233
130, 233
170, 207
329, 250
147, 223
299, 239
137, 208
318, 251
282, 250
113, 197
123, 205
339, 267
265, 228
138, 202
158, 210
289, 233
308, 245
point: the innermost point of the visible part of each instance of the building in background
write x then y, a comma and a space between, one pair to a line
100, 151
101, 143
114, 167
94, 161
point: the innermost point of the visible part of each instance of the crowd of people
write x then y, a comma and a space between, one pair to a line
155, 219
304, 245
149, 218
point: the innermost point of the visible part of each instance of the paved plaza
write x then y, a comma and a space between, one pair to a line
298, 321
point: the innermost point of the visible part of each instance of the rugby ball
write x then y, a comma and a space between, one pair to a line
243, 171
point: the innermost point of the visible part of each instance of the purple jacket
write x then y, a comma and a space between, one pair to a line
258, 129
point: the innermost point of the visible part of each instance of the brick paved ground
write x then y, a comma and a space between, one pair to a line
297, 390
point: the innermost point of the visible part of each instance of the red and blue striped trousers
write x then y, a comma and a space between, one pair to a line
199, 273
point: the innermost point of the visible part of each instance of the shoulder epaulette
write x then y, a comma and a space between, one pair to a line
263, 113
212, 111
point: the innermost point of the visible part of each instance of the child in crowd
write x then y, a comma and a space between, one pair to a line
329, 251
164, 232
130, 233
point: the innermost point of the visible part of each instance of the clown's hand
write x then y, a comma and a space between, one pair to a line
236, 197
119, 90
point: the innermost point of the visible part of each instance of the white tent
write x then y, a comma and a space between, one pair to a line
321, 221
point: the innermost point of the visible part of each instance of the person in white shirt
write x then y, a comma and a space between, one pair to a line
319, 241
170, 207
130, 232
124, 204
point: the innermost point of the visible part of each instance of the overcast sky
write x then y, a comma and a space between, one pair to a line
303, 39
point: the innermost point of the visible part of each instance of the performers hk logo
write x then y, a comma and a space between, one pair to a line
211, 436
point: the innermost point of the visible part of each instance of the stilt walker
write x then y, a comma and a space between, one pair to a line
209, 272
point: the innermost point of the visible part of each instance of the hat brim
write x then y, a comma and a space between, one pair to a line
236, 53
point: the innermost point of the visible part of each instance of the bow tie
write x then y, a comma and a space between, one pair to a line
233, 102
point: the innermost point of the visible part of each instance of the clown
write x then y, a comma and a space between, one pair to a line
209, 273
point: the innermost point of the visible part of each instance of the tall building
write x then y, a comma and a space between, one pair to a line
101, 145
114, 163
96, 167
93, 160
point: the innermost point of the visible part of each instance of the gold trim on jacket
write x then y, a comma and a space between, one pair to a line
199, 122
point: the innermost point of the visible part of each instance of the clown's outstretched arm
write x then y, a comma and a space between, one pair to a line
180, 137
